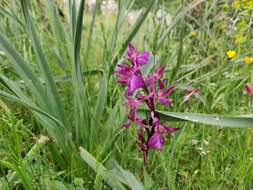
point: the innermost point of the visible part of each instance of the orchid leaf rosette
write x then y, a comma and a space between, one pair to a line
149, 90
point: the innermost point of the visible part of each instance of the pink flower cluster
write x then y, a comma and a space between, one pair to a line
148, 90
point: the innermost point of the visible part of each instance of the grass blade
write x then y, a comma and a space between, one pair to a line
101, 100
134, 30
59, 32
21, 67
236, 121
101, 170
91, 28
179, 15
29, 105
55, 106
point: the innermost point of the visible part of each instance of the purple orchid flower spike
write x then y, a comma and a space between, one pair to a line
145, 90
137, 58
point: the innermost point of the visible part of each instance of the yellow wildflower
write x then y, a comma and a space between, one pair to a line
251, 158
248, 60
231, 54
193, 34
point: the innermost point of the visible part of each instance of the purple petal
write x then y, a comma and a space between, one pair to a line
156, 141
122, 69
131, 51
142, 98
151, 84
159, 72
132, 115
168, 91
134, 83
122, 81
170, 129
132, 102
162, 84
127, 124
132, 55
165, 101
142, 58
127, 93
141, 123
124, 73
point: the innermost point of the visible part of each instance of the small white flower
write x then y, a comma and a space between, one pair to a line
161, 14
91, 4
195, 141
206, 142
132, 16
108, 6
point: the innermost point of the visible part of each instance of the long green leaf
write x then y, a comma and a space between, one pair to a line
82, 109
91, 28
101, 100
108, 176
10, 16
22, 68
29, 105
237, 121
54, 104
128, 177
59, 33
123, 7
67, 78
